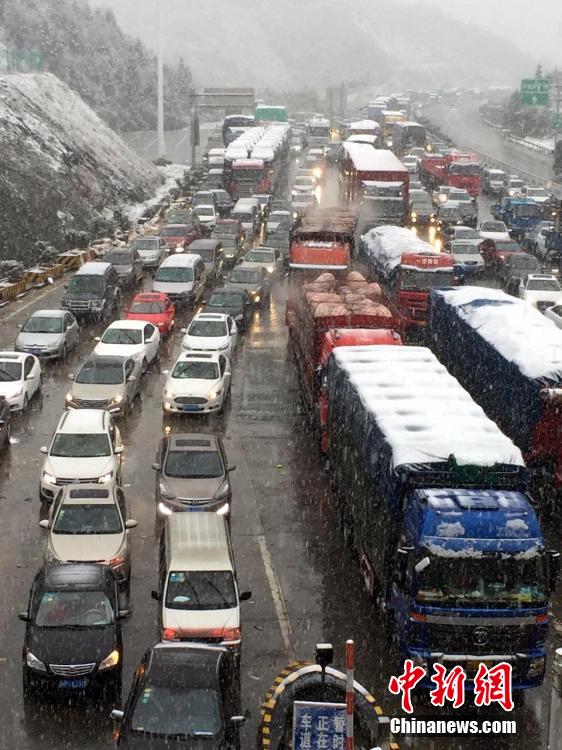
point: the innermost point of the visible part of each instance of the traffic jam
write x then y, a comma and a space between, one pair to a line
314, 399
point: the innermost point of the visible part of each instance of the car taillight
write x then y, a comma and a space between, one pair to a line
417, 616
170, 634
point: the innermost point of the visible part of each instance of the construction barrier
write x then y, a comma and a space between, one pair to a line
75, 258
37, 276
9, 290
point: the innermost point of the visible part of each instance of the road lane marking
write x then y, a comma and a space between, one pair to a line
35, 298
277, 595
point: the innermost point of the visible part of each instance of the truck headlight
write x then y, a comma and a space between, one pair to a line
110, 661
34, 663
49, 478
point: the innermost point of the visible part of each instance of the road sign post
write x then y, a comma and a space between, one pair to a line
535, 91
319, 726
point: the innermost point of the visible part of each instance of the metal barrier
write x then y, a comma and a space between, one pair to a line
529, 144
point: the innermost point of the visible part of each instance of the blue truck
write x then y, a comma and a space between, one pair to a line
519, 214
432, 496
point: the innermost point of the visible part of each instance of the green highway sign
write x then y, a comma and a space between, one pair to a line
534, 92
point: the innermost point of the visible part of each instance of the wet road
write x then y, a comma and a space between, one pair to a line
306, 588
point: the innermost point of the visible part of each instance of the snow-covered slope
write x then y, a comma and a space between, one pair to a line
58, 157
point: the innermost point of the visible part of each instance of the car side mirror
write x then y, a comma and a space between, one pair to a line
24, 616
553, 568
131, 378
232, 468
125, 311
156, 466
131, 523
118, 450
45, 523
71, 376
43, 449
165, 372
117, 715
97, 338
244, 596
183, 330
155, 595
122, 614
237, 721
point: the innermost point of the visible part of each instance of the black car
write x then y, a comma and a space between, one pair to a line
73, 634
234, 302
233, 251
5, 423
422, 211
184, 695
223, 202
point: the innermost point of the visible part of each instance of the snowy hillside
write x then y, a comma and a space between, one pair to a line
58, 158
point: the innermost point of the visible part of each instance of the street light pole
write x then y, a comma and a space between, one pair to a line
161, 140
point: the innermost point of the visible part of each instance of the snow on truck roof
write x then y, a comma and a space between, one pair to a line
386, 245
368, 159
518, 331
423, 412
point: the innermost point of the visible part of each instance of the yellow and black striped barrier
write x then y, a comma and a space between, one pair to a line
37, 276
9, 290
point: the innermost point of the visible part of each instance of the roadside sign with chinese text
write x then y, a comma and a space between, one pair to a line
534, 92
318, 726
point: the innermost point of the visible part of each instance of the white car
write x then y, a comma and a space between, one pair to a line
461, 232
541, 290
207, 215
303, 184
515, 187
538, 194
466, 256
535, 238
20, 378
493, 230
199, 383
86, 448
130, 338
555, 313
89, 524
265, 257
211, 332
411, 163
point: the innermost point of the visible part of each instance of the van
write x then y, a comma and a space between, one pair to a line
212, 254
182, 277
198, 591
92, 291
248, 215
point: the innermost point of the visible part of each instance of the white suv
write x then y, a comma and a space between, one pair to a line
86, 448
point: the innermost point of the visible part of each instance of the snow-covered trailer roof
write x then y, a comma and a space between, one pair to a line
385, 246
365, 158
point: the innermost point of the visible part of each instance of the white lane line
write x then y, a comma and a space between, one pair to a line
34, 298
278, 598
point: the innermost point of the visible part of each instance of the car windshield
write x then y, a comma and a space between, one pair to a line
245, 217
118, 259
199, 370
485, 581
205, 211
200, 590
200, 199
226, 229
450, 213
38, 324
174, 274
10, 372
123, 336
226, 299
463, 249
260, 256
516, 184
537, 192
543, 285
176, 711
245, 276
206, 253
229, 247
208, 328
74, 609
146, 243
423, 280
84, 283
461, 197
222, 196
147, 308
175, 230
195, 464
466, 170
508, 247
80, 445
422, 202
494, 226
467, 234
525, 262
89, 518
101, 373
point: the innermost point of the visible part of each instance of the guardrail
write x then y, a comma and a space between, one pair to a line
529, 144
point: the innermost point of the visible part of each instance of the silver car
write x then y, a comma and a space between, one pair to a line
48, 334
152, 250
128, 264
106, 382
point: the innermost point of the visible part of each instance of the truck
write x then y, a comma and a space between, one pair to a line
322, 241
318, 132
388, 120
362, 163
254, 162
324, 314
407, 135
455, 169
407, 268
518, 379
433, 498
518, 214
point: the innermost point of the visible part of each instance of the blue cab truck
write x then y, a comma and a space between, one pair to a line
432, 496
519, 214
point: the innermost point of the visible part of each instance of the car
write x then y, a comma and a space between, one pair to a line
280, 204
411, 163
538, 194
203, 198
229, 228
206, 332
170, 677
73, 637
180, 236
514, 268
416, 185
20, 379
199, 383
493, 181
130, 338
153, 307
462, 232
265, 257
540, 290
554, 313
48, 334
303, 184
128, 264
182, 277
207, 216
280, 240
214, 179
535, 239
233, 251
5, 423
249, 218
466, 257
255, 281
441, 194
493, 230
449, 214
192, 471
422, 211
468, 206
265, 200
223, 202
212, 253
514, 187
86, 448
182, 215
152, 250
93, 291
231, 301
106, 382
89, 523
495, 253
302, 203
279, 220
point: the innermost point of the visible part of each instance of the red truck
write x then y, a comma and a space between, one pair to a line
361, 163
324, 314
322, 241
407, 269
455, 169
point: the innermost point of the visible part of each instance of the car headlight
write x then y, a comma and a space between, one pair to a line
34, 663
224, 510
512, 192
223, 347
223, 491
110, 661
214, 394
117, 398
97, 303
270, 269
168, 393
239, 317
165, 492
295, 214
317, 172
105, 478
69, 397
414, 216
49, 478
164, 509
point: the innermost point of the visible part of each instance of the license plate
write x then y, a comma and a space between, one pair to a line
34, 351
191, 407
73, 684
473, 666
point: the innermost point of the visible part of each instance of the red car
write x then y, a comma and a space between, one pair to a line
180, 234
155, 308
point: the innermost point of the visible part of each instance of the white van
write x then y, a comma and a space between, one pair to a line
182, 277
198, 590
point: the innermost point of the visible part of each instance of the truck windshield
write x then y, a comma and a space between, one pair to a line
484, 581
527, 210
421, 281
466, 170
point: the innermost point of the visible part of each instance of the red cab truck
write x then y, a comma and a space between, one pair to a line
361, 163
321, 242
455, 169
407, 269
327, 313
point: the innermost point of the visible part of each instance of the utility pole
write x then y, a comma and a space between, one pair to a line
161, 140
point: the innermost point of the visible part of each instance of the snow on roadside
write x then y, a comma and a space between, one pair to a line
170, 173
